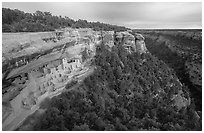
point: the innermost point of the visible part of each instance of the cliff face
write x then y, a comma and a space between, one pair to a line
67, 55
140, 43
42, 70
135, 43
142, 94
21, 48
132, 42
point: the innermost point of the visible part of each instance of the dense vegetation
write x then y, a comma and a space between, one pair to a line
192, 34
19, 21
176, 51
126, 92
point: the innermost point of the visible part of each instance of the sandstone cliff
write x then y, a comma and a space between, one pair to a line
140, 43
132, 42
142, 94
64, 57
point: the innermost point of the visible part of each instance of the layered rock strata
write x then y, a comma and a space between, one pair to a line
34, 79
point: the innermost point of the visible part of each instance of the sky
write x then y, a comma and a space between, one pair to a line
130, 14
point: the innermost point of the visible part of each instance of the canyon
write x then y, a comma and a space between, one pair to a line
41, 65
182, 51
38, 65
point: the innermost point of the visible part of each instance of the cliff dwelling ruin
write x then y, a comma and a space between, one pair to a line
54, 60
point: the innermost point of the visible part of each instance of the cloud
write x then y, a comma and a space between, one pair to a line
130, 14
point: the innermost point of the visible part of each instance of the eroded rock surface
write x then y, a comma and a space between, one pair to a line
66, 57
140, 43
30, 81
131, 42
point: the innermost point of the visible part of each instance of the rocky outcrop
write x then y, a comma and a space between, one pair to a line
180, 101
20, 49
140, 43
131, 42
107, 38
127, 40
45, 74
